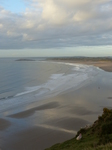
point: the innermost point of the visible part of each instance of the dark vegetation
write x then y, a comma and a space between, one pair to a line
83, 58
96, 137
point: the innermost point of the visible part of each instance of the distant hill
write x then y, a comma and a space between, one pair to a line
77, 58
25, 59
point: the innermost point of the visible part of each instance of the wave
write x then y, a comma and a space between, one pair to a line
56, 84
8, 97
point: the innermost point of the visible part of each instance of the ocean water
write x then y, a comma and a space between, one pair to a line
24, 82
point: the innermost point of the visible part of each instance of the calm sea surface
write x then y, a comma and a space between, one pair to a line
28, 81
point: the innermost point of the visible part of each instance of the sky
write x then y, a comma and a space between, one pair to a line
55, 28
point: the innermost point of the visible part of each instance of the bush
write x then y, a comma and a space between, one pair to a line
106, 128
104, 140
106, 112
100, 118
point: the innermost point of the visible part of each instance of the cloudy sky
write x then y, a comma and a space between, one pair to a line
55, 28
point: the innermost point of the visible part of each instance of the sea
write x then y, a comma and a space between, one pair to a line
26, 81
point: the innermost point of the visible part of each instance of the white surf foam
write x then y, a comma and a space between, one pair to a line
56, 84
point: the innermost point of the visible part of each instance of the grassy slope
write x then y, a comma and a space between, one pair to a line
96, 137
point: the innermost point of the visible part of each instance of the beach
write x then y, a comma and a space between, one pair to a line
106, 65
41, 124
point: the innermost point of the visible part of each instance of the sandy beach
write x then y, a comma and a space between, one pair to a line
41, 124
103, 64
106, 66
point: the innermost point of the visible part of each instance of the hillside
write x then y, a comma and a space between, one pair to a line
96, 137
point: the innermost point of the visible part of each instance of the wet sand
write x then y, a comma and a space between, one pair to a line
4, 124
37, 138
54, 120
30, 112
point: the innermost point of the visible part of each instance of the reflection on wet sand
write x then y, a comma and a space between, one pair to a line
81, 111
57, 119
4, 124
37, 138
68, 123
46, 126
30, 112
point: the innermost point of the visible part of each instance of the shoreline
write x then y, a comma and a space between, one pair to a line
105, 65
56, 119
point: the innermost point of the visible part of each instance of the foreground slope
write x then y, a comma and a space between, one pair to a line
96, 137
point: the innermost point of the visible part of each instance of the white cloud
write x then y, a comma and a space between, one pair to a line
26, 37
12, 34
27, 24
75, 22
1, 25
82, 16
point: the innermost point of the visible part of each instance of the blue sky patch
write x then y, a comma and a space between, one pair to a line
15, 6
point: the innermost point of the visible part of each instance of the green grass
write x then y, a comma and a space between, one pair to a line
96, 137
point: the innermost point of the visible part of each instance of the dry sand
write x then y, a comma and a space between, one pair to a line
105, 65
56, 119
